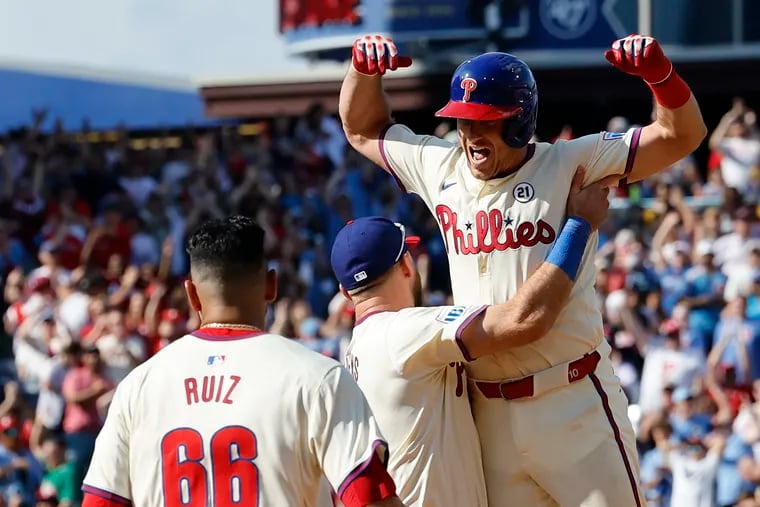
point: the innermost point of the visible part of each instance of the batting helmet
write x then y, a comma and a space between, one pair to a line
495, 86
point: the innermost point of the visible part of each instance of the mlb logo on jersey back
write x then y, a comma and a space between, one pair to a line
216, 360
448, 315
611, 136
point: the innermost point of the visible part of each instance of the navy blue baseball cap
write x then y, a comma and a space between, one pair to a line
366, 248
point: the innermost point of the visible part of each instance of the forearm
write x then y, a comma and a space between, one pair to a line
683, 125
678, 120
120, 295
83, 396
87, 250
632, 325
720, 131
531, 313
706, 300
363, 107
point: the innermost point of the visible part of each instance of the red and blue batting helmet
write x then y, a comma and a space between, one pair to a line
495, 86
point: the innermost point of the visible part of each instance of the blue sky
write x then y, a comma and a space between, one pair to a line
186, 38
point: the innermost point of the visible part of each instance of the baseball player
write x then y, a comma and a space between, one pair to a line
409, 360
231, 415
499, 201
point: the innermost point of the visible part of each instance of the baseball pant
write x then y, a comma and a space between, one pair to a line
573, 446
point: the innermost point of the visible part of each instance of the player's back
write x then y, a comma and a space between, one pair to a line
417, 389
229, 421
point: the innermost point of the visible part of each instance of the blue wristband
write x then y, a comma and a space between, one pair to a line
567, 251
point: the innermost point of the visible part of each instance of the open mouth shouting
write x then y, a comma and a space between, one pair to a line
479, 154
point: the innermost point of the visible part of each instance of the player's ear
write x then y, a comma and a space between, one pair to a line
270, 286
345, 293
407, 265
192, 295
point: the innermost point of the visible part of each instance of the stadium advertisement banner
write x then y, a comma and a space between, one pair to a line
310, 26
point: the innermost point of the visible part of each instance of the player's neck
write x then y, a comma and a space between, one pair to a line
220, 314
380, 303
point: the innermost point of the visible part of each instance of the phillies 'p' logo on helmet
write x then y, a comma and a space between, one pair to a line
468, 85
495, 86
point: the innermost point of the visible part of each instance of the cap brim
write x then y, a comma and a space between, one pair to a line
479, 112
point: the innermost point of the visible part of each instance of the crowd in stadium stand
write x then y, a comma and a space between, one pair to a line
92, 259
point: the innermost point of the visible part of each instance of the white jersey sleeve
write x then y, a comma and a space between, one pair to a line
108, 475
343, 433
421, 340
416, 161
607, 153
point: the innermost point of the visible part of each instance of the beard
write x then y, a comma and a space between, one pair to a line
417, 291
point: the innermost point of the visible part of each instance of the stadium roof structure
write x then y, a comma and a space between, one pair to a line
106, 99
582, 77
291, 93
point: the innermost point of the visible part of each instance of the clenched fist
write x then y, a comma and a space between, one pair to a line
641, 56
373, 55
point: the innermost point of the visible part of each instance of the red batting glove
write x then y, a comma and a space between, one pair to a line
373, 55
641, 56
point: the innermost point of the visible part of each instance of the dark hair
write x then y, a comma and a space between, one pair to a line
227, 248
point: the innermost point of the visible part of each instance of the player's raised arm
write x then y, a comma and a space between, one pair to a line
363, 107
531, 313
678, 128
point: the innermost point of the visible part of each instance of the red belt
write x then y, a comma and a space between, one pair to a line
523, 388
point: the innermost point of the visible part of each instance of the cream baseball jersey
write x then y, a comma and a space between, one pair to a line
410, 366
498, 232
224, 417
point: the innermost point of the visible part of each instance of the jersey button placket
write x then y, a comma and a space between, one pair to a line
483, 203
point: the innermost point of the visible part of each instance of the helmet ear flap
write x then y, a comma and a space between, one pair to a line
518, 131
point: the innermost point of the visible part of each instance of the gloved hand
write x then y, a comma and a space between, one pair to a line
373, 55
641, 56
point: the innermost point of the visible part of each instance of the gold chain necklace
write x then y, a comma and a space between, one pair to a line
229, 326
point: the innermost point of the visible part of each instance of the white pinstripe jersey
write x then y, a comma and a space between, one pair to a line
410, 366
498, 232
258, 420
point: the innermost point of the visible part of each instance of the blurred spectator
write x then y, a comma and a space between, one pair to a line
705, 286
60, 483
733, 249
742, 278
20, 473
84, 388
92, 263
656, 479
690, 422
694, 467
736, 140
729, 362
